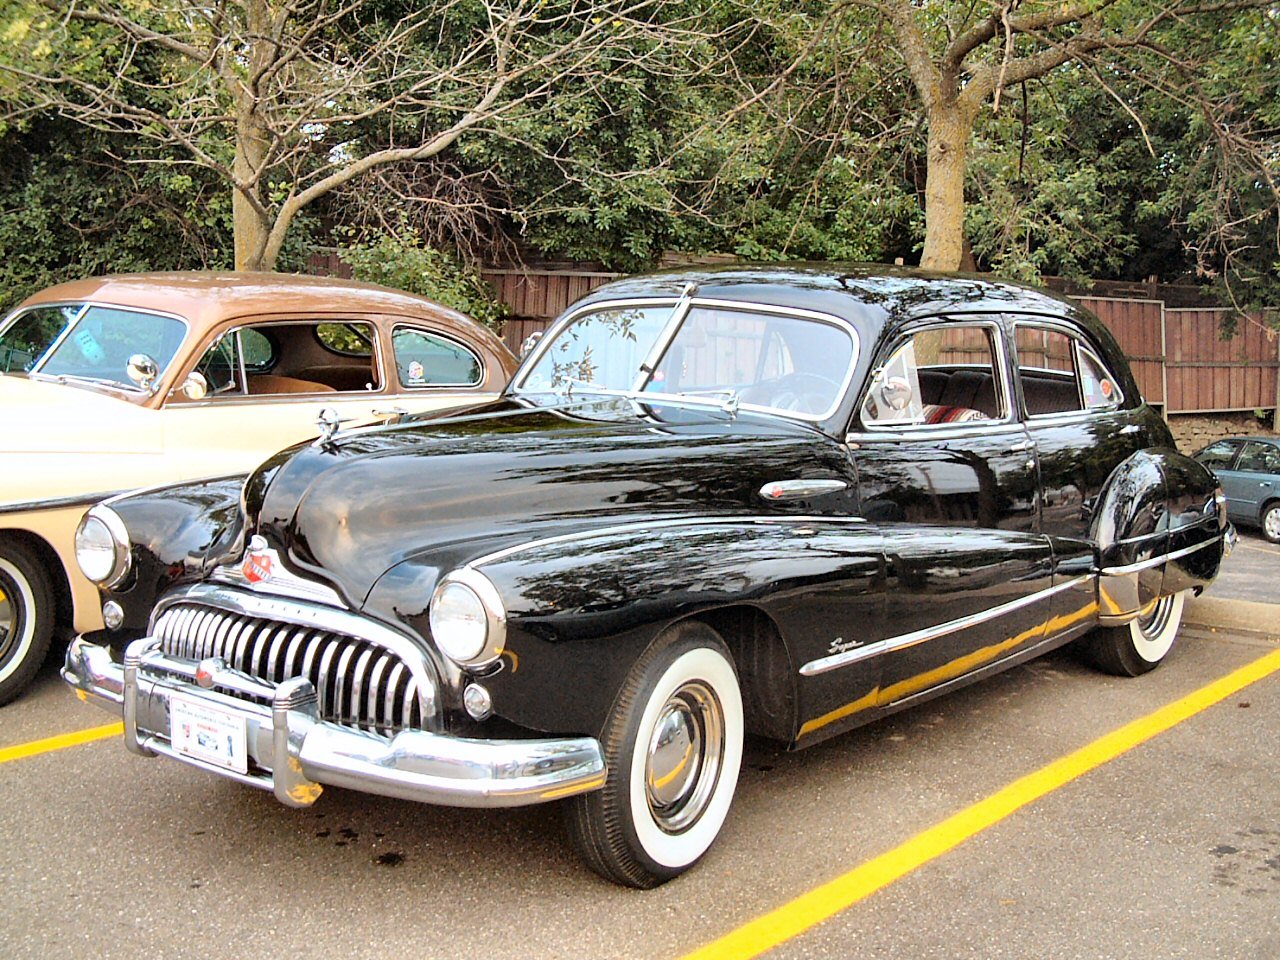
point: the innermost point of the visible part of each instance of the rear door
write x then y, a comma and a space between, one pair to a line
1254, 479
1220, 457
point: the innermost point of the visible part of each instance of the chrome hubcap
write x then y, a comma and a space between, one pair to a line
1153, 620
1271, 524
684, 757
8, 618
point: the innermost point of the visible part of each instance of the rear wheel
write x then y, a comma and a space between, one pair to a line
1271, 522
26, 618
673, 746
1141, 644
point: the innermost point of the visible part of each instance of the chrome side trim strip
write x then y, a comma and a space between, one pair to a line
1155, 561
754, 519
58, 503
799, 489
824, 664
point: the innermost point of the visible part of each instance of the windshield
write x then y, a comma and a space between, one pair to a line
31, 333
91, 342
749, 356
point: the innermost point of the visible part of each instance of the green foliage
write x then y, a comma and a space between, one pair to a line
407, 264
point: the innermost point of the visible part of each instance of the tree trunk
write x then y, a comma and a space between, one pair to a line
950, 129
250, 222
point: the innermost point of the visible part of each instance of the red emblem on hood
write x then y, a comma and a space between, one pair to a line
257, 567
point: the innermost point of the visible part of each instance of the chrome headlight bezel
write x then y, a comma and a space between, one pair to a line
108, 521
494, 614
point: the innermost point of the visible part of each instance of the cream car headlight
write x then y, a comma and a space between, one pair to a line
468, 619
102, 546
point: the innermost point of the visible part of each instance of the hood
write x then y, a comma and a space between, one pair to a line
351, 509
42, 416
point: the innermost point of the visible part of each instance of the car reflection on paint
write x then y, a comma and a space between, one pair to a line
776, 500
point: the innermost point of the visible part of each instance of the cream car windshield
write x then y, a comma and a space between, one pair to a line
96, 343
797, 365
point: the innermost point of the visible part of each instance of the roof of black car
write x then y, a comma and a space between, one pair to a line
852, 291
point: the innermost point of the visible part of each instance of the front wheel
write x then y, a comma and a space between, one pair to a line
673, 746
26, 618
1139, 645
1271, 522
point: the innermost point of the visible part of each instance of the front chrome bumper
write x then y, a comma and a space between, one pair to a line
293, 753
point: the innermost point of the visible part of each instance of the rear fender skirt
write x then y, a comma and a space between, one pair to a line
581, 609
1157, 533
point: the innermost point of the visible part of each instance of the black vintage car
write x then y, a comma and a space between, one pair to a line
771, 500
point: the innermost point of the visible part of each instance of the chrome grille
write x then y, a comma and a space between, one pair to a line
358, 683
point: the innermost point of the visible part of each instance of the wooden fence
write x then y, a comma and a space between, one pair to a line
1178, 358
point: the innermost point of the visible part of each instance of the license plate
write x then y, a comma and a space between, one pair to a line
205, 731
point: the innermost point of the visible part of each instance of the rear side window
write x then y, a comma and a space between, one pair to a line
1259, 458
429, 360
1060, 373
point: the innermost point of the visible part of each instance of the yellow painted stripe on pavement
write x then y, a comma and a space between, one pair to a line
60, 742
812, 908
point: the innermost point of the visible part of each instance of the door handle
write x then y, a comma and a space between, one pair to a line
394, 413
1131, 428
1019, 447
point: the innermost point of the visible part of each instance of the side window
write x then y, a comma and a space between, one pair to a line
1046, 367
1217, 455
285, 358
1060, 374
1259, 458
429, 360
945, 374
220, 366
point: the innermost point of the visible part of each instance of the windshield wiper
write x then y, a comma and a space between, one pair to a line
723, 399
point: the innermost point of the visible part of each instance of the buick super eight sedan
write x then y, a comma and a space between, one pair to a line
118, 382
778, 501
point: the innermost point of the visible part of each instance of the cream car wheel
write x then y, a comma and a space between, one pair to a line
26, 618
674, 747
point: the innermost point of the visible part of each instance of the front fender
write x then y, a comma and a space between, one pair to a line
176, 534
1157, 531
582, 610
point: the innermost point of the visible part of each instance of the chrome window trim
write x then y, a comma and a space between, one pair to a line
834, 662
1080, 341
639, 526
1002, 380
407, 389
681, 306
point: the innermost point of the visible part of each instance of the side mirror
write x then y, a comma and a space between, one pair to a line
895, 393
142, 370
195, 387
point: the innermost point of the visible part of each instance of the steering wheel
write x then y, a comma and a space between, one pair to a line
803, 393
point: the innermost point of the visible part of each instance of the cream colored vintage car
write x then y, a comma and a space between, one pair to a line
120, 382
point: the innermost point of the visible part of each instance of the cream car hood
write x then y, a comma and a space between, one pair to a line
62, 441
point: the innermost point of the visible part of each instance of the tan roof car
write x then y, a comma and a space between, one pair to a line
120, 382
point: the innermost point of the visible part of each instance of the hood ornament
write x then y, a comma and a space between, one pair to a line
257, 561
328, 422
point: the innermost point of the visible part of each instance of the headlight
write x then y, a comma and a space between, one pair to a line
468, 619
102, 546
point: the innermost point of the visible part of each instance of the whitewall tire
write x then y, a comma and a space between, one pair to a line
26, 618
1140, 645
673, 746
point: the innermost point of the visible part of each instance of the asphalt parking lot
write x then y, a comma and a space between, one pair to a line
1048, 812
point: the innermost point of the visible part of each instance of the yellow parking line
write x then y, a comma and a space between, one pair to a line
60, 742
812, 908
1250, 546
